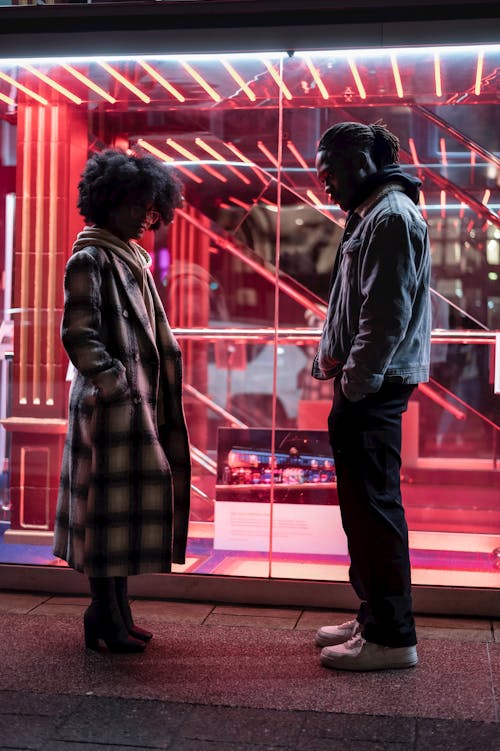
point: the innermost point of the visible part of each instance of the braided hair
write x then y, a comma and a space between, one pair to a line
381, 143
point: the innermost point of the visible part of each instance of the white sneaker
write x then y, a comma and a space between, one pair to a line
358, 654
328, 636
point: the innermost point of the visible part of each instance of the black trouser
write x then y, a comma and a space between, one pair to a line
366, 443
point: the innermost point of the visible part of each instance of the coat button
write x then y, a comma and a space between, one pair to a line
137, 400
136, 357
125, 313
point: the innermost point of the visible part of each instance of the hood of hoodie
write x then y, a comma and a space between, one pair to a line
391, 173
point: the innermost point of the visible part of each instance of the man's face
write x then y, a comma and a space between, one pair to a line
341, 176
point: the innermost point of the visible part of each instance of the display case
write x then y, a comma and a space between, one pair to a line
243, 273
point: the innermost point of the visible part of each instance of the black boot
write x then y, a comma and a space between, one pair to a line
124, 605
103, 620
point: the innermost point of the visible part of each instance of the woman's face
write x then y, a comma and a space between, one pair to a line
130, 221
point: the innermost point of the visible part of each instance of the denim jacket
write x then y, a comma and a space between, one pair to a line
379, 314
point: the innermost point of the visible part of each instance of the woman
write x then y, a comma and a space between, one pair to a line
123, 502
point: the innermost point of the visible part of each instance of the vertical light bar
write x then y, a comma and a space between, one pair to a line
25, 259
204, 84
53, 84
203, 145
239, 80
422, 204
437, 75
316, 77
52, 251
166, 158
88, 82
125, 82
479, 73
192, 157
38, 277
443, 204
281, 84
161, 80
357, 78
397, 76
461, 213
262, 147
444, 157
413, 152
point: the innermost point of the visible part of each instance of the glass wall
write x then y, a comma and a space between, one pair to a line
243, 273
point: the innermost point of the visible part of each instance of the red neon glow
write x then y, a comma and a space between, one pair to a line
162, 81
443, 204
442, 148
125, 82
53, 84
244, 159
421, 201
239, 80
462, 210
204, 84
357, 79
437, 75
266, 152
202, 144
166, 158
397, 77
298, 156
281, 84
87, 81
25, 89
317, 78
237, 202
470, 226
193, 158
413, 152
479, 73
314, 198
486, 197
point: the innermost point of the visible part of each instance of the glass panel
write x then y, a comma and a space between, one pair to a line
242, 137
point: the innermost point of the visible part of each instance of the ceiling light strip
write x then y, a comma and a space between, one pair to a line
316, 77
262, 147
21, 87
88, 82
298, 156
166, 158
239, 80
193, 158
281, 84
437, 75
7, 99
357, 78
397, 77
486, 197
443, 204
204, 84
125, 82
53, 84
203, 145
162, 81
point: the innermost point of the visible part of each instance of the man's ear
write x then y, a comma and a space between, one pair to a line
365, 164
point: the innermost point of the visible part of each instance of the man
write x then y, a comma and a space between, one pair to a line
376, 346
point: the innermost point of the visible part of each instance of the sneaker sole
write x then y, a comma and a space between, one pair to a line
348, 664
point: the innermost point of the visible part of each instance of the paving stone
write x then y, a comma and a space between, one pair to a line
454, 634
359, 727
193, 744
451, 735
126, 722
256, 621
26, 731
73, 610
242, 725
264, 612
20, 602
26, 703
450, 622
313, 619
171, 612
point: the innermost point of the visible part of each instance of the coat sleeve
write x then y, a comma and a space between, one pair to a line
82, 325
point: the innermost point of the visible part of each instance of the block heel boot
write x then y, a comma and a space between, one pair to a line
103, 620
121, 595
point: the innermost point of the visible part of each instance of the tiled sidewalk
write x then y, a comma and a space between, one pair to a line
228, 678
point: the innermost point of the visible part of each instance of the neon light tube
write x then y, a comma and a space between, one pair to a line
267, 153
128, 84
199, 79
281, 84
479, 73
357, 79
193, 158
437, 75
7, 99
236, 76
25, 89
258, 171
57, 86
298, 156
316, 77
166, 158
162, 81
397, 77
87, 81
202, 144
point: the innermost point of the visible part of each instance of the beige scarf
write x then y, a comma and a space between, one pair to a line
137, 259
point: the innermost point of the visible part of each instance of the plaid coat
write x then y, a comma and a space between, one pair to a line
123, 502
